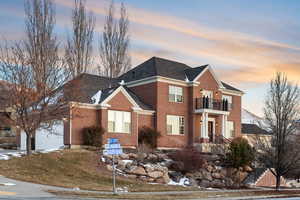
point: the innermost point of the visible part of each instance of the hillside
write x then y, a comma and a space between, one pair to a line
72, 169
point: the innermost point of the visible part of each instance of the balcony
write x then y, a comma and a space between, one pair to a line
213, 104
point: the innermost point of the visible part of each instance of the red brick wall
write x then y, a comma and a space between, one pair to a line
147, 93
121, 103
164, 108
81, 118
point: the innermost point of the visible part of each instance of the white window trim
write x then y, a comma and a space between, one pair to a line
228, 132
176, 93
180, 117
120, 124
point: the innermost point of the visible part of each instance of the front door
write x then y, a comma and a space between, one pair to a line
211, 131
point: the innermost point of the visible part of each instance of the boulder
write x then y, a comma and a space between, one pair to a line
138, 170
155, 167
109, 167
175, 176
204, 183
206, 175
216, 175
132, 156
155, 174
192, 182
132, 176
247, 168
217, 184
162, 156
152, 157
210, 168
124, 156
166, 178
121, 165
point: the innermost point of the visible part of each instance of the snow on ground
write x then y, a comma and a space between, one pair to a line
182, 182
127, 161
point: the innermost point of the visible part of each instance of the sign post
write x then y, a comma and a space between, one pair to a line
113, 148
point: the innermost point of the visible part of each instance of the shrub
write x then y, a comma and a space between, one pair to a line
92, 136
148, 136
187, 159
240, 153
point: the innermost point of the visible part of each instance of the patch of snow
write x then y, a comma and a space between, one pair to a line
103, 159
182, 182
76, 188
122, 82
122, 190
127, 161
8, 184
4, 157
96, 98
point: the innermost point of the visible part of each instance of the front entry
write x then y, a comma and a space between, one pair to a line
211, 131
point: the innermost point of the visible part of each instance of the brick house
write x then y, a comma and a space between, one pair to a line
189, 106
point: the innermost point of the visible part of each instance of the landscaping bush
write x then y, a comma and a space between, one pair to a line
148, 136
92, 136
240, 153
187, 160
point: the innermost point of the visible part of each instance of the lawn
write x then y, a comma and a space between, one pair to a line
72, 168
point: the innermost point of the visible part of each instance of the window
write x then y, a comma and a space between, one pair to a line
175, 125
229, 129
175, 94
119, 121
228, 98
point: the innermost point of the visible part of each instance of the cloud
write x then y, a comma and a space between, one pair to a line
237, 57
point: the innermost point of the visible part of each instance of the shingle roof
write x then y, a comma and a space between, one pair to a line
229, 87
156, 67
86, 86
107, 92
254, 175
192, 73
253, 129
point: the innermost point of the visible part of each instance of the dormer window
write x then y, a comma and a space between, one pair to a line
175, 94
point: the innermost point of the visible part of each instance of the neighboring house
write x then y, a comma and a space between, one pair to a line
261, 177
250, 118
253, 132
189, 106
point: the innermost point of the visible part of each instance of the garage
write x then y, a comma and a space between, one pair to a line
45, 139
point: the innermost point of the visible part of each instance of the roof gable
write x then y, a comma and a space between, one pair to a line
204, 72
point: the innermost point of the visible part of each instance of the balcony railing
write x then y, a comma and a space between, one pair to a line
214, 104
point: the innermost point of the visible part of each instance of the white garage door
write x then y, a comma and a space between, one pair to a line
45, 140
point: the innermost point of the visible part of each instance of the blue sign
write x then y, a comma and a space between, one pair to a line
113, 141
113, 147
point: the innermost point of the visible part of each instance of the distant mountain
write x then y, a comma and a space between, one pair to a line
249, 117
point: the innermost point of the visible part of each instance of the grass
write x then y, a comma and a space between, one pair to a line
72, 168
191, 195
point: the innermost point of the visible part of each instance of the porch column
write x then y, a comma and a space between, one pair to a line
224, 124
204, 130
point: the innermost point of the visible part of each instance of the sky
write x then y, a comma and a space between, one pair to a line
245, 41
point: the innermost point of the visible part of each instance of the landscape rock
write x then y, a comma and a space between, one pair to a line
177, 166
124, 156
206, 175
132, 156
216, 175
247, 168
109, 167
155, 174
204, 183
138, 170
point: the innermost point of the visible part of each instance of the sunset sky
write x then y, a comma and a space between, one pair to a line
245, 41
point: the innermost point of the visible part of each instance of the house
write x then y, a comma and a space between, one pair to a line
261, 177
252, 132
189, 106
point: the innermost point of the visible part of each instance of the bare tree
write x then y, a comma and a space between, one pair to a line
79, 48
282, 153
114, 45
35, 72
